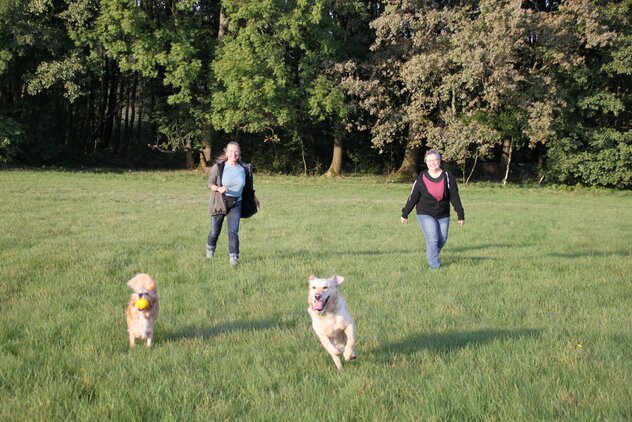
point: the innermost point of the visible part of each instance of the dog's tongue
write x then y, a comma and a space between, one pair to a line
318, 305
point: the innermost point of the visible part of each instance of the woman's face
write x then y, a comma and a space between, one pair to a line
232, 153
433, 162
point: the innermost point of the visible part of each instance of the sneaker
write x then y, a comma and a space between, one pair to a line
234, 260
210, 252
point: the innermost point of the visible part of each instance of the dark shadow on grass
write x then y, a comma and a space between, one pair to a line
326, 253
414, 250
445, 343
474, 247
202, 332
584, 254
452, 260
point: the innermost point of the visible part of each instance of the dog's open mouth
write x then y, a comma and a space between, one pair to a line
319, 304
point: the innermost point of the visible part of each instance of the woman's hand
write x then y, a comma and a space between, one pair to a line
403, 220
257, 203
461, 222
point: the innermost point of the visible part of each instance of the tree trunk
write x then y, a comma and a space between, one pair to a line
131, 111
111, 107
223, 23
505, 153
541, 151
205, 158
151, 126
67, 126
139, 126
118, 117
188, 160
100, 138
508, 159
126, 118
88, 132
335, 169
205, 153
408, 169
466, 181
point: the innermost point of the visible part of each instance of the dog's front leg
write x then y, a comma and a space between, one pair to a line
349, 353
132, 340
328, 345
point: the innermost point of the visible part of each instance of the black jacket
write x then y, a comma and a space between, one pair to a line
427, 204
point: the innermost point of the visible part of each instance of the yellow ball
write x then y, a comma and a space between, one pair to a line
142, 303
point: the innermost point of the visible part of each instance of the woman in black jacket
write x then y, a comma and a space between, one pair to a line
432, 193
232, 196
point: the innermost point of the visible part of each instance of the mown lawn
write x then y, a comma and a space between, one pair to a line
529, 319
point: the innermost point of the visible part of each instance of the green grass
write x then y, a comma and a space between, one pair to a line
529, 319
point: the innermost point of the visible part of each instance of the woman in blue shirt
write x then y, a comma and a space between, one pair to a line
233, 196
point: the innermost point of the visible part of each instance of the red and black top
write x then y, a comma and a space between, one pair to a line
433, 195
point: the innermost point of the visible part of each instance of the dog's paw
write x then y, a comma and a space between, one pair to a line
350, 355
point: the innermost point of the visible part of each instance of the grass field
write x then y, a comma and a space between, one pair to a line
529, 319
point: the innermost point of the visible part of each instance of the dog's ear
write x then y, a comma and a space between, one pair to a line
135, 282
338, 279
150, 284
143, 281
311, 277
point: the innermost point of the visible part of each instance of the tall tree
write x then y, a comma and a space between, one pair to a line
352, 33
271, 69
593, 143
171, 43
34, 54
420, 78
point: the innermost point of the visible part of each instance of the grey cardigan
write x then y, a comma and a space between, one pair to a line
216, 204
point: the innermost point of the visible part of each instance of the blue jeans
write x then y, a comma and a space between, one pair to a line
233, 216
436, 232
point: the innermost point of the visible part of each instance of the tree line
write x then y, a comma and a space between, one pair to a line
505, 89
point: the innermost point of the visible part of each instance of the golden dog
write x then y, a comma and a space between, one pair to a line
331, 321
140, 322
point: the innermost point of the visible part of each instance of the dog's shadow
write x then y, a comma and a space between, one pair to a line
445, 343
206, 332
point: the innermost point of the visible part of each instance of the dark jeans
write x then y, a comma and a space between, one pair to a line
233, 216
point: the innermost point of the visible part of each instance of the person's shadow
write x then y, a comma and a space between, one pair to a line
445, 343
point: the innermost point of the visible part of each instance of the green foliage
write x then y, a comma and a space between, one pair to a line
594, 142
92, 78
271, 67
440, 66
463, 141
12, 135
254, 91
52, 72
326, 99
594, 158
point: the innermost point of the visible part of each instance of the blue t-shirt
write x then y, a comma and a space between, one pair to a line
234, 179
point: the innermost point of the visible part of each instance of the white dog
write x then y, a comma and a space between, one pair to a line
330, 319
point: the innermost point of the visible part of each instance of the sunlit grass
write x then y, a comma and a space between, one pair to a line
528, 319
